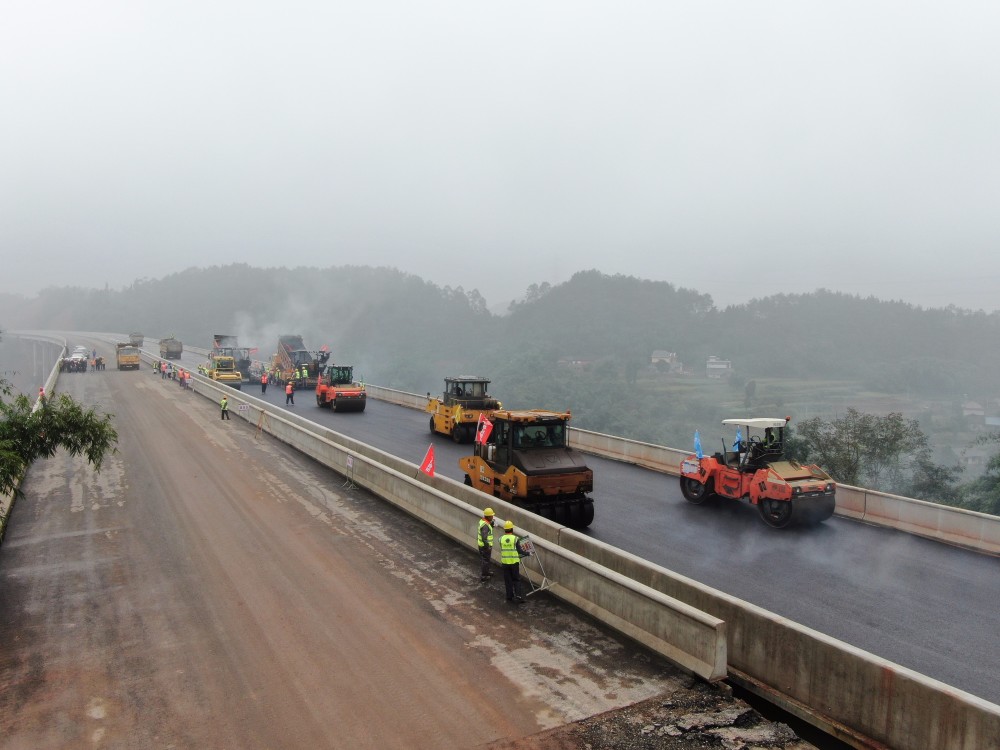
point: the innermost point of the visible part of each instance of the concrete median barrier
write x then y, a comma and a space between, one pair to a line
846, 691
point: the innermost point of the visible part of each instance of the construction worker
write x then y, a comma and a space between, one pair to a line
510, 563
289, 393
484, 538
263, 383
225, 407
770, 439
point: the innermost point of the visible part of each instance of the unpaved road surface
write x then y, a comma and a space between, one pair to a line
211, 588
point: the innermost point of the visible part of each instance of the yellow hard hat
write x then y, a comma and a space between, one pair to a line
488, 512
509, 525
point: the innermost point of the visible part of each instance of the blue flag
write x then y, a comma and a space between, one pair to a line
697, 445
739, 439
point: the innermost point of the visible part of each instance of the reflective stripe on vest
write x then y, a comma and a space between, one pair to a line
489, 537
508, 550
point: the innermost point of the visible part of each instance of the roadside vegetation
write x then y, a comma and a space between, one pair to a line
27, 435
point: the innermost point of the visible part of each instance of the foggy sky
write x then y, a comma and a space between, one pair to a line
739, 149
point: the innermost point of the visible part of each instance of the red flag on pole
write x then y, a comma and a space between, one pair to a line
483, 429
428, 463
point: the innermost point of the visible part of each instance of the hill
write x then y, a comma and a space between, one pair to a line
584, 344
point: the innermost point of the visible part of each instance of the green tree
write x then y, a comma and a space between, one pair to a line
865, 448
934, 483
983, 493
837, 446
26, 435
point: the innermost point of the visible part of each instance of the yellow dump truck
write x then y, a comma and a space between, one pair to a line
127, 356
171, 348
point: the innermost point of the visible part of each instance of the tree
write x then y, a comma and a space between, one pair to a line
983, 493
865, 447
26, 435
836, 445
936, 484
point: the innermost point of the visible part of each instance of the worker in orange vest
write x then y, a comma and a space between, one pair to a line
263, 383
289, 393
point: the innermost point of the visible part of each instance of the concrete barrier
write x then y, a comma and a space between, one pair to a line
846, 691
657, 457
400, 398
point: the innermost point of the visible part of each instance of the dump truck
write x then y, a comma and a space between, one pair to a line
227, 345
127, 356
337, 389
293, 359
222, 368
171, 348
523, 457
457, 412
754, 468
135, 339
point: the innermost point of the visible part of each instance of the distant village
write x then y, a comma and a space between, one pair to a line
667, 363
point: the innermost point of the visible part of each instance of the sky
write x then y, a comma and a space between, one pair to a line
741, 149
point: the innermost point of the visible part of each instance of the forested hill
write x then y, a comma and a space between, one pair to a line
404, 331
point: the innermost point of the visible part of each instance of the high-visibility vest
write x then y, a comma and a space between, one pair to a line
263, 378
489, 536
508, 550
288, 388
224, 404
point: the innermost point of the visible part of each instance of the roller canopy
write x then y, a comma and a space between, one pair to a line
757, 422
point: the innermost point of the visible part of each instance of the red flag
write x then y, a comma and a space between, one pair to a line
483, 429
428, 464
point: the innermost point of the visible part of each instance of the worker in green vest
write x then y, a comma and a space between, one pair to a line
510, 563
484, 538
